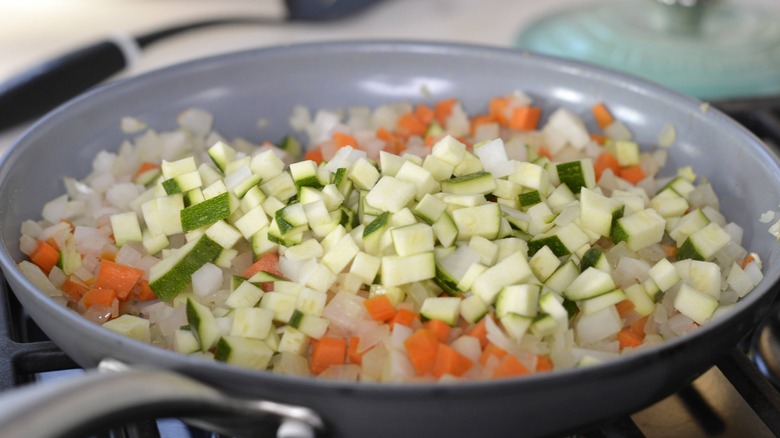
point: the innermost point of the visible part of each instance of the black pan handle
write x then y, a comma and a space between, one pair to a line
49, 84
80, 406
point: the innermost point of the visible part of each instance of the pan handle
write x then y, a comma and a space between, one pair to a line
76, 407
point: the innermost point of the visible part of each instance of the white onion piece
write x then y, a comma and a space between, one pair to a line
206, 280
343, 373
373, 362
345, 311
371, 333
468, 346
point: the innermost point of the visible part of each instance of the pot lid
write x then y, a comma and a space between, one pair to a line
707, 49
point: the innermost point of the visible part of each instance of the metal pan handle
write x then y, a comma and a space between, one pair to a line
76, 407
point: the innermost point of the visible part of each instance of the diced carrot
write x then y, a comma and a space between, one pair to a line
525, 118
443, 109
404, 317
749, 259
669, 250
628, 338
145, 167
449, 361
45, 256
543, 363
108, 255
53, 243
510, 367
421, 347
441, 328
481, 120
342, 140
497, 108
605, 161
325, 352
479, 331
74, 289
103, 297
392, 144
491, 350
380, 308
544, 152
410, 124
632, 174
314, 154
118, 277
143, 291
352, 351
268, 262
602, 115
638, 326
424, 113
624, 307
598, 138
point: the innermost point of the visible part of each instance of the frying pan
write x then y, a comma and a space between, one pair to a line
242, 87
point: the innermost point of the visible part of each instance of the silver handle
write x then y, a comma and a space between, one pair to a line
81, 405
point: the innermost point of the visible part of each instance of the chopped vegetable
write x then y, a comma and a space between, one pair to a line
412, 243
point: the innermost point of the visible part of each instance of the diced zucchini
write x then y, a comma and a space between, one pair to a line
206, 212
245, 352
664, 274
304, 173
397, 270
421, 178
412, 239
639, 230
174, 273
252, 322
590, 283
445, 230
483, 220
391, 194
126, 228
202, 323
543, 325
244, 295
472, 309
695, 304
543, 263
704, 243
445, 309
512, 270
692, 222
529, 199
531, 176
172, 169
221, 154
593, 305
516, 325
131, 326
563, 276
518, 298
643, 304
481, 182
577, 174
599, 213
627, 153
596, 258
283, 305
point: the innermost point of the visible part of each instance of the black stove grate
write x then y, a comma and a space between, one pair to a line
732, 399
